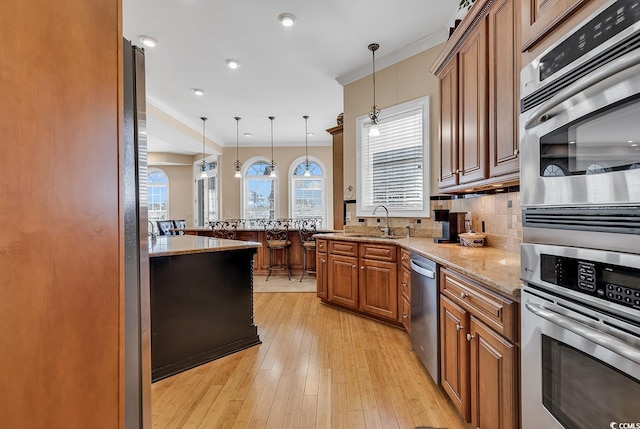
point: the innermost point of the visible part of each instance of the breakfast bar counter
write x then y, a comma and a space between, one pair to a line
201, 301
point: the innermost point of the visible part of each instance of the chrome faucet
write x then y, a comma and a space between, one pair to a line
386, 232
151, 231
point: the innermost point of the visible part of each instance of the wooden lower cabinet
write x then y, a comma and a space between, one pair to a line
478, 363
343, 280
454, 354
494, 392
378, 288
362, 277
322, 265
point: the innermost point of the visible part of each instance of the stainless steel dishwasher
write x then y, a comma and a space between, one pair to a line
424, 313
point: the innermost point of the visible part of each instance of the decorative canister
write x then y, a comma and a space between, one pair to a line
472, 239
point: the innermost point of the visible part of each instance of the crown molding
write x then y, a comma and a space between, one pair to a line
394, 57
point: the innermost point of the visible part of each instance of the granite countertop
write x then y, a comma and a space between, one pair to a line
170, 245
497, 269
208, 228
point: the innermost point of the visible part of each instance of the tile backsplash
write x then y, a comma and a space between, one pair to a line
500, 212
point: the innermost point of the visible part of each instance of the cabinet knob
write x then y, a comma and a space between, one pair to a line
323, 261
515, 152
458, 327
353, 266
404, 258
470, 337
362, 267
404, 284
405, 316
463, 295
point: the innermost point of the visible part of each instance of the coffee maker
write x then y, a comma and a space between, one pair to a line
452, 225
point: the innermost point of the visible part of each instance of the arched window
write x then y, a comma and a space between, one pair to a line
259, 200
157, 195
307, 194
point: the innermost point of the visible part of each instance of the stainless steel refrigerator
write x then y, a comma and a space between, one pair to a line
133, 173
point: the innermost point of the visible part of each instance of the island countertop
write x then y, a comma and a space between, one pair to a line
171, 245
496, 268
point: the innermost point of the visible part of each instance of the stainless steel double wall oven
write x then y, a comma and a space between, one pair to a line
580, 190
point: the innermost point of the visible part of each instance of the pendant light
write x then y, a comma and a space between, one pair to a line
237, 164
374, 112
203, 172
307, 173
273, 163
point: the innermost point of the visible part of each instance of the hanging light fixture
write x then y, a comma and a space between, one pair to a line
273, 163
307, 173
237, 164
203, 171
374, 112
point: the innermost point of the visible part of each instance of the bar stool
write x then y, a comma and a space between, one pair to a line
223, 229
307, 231
165, 227
277, 240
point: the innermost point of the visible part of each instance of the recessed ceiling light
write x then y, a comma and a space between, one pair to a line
310, 133
148, 41
233, 64
197, 91
634, 144
248, 134
287, 19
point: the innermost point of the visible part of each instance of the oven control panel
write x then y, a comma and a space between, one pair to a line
605, 281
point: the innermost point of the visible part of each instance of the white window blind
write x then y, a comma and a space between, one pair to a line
393, 167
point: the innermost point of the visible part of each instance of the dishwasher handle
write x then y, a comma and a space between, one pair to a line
423, 271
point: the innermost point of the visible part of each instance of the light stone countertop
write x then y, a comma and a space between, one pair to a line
171, 245
497, 269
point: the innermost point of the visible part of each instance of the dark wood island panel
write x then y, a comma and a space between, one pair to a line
201, 306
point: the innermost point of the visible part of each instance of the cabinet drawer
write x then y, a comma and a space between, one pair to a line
405, 283
347, 248
496, 311
405, 257
379, 252
321, 245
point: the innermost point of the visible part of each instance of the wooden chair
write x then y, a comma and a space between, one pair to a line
307, 229
277, 240
224, 229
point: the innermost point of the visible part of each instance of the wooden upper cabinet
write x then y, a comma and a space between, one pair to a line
449, 124
478, 71
503, 89
473, 106
539, 17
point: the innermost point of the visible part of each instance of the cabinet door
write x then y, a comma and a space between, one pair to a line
379, 288
405, 317
454, 354
473, 106
449, 124
494, 392
539, 17
321, 275
343, 280
503, 90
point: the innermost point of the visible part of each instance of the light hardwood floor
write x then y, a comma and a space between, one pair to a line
317, 367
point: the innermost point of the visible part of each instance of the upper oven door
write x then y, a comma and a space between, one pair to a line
580, 126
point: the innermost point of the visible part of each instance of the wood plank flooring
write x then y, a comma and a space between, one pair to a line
317, 367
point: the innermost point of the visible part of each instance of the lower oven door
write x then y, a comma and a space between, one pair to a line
580, 369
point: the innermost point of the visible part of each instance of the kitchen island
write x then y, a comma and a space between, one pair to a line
201, 301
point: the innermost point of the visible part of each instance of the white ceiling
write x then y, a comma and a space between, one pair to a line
284, 72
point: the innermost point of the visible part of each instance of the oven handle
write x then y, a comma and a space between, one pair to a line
541, 114
612, 343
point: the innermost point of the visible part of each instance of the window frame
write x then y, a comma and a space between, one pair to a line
362, 126
244, 183
211, 172
151, 170
292, 178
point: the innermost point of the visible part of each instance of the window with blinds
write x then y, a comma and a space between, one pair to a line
393, 168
